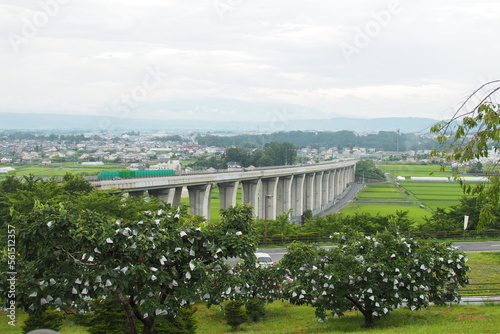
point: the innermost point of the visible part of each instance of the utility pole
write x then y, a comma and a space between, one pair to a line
397, 141
265, 216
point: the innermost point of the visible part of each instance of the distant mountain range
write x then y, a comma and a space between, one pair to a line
35, 121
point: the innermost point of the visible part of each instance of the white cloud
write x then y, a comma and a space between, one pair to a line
422, 61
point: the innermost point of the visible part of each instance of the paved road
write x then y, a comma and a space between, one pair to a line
478, 246
355, 188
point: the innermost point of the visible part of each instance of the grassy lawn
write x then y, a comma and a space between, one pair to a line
284, 318
485, 266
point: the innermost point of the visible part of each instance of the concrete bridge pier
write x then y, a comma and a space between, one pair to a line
169, 195
309, 191
318, 189
325, 189
199, 199
136, 193
297, 194
331, 185
227, 192
269, 198
284, 194
250, 194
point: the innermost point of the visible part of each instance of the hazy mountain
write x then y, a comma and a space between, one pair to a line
33, 121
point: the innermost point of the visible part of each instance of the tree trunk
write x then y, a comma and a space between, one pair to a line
368, 314
148, 325
148, 322
365, 309
128, 313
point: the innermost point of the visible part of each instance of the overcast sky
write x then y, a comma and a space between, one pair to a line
299, 59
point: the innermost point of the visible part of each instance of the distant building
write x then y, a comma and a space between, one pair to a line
5, 170
5, 160
93, 163
173, 164
233, 164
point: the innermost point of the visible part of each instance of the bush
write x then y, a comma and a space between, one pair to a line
256, 309
185, 323
108, 317
235, 314
48, 319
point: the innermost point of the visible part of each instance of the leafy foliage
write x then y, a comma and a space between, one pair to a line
452, 218
373, 275
48, 319
366, 170
243, 282
359, 222
106, 317
235, 314
472, 138
21, 194
256, 309
153, 266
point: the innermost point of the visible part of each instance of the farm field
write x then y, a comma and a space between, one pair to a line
408, 170
384, 199
419, 198
59, 169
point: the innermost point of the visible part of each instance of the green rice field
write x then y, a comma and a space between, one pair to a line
408, 170
419, 198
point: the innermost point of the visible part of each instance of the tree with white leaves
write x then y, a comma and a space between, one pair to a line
154, 266
373, 275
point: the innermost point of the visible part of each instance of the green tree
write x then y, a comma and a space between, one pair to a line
472, 133
265, 161
237, 154
452, 218
73, 183
373, 275
476, 168
153, 266
366, 170
21, 194
281, 153
235, 314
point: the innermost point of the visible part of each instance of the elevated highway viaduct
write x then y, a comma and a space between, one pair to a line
270, 191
